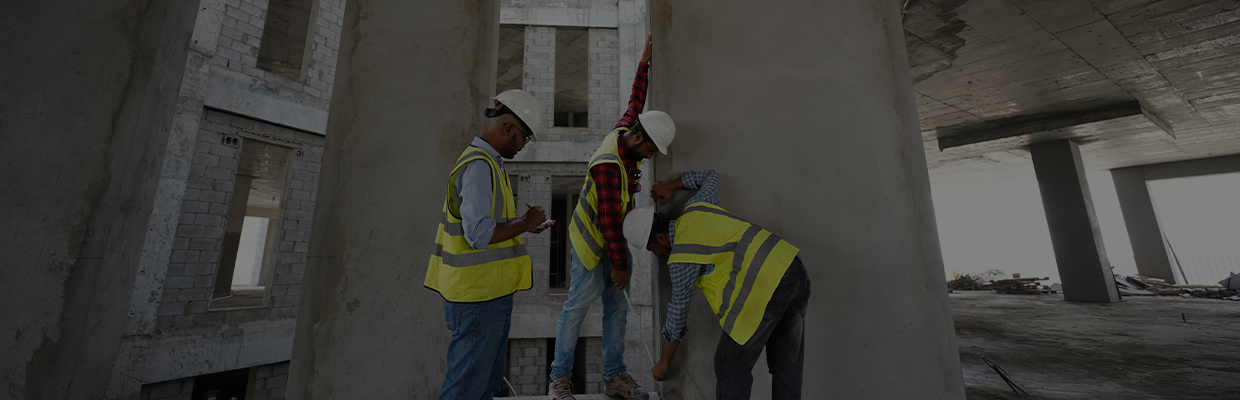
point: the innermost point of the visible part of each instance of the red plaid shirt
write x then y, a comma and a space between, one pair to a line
607, 180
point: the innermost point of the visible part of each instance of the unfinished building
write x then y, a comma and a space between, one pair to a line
230, 198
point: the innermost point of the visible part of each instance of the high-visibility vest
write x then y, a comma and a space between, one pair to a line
749, 263
583, 230
463, 274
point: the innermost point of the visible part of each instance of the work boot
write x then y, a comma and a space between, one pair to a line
560, 389
624, 386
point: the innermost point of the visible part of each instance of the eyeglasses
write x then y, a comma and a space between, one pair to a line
635, 177
527, 137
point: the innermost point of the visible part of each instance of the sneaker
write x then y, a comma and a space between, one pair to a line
560, 389
624, 386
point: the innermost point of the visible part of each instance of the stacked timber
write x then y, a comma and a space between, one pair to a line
1161, 287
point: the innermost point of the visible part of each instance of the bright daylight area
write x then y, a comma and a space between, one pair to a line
1000, 225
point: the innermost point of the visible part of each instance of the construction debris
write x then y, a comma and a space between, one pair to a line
1231, 282
964, 282
1161, 287
1018, 285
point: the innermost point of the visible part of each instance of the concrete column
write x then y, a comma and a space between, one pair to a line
414, 78
539, 77
1149, 248
1079, 252
816, 139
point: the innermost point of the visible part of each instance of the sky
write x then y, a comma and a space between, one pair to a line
1001, 225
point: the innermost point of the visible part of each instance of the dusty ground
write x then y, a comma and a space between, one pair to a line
1140, 348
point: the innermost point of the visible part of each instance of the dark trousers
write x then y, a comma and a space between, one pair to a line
782, 333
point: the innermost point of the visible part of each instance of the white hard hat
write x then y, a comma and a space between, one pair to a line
637, 226
659, 127
522, 104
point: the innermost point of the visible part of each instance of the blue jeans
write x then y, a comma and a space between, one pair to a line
478, 351
585, 287
781, 332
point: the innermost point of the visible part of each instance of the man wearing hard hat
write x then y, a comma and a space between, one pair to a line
480, 259
600, 257
753, 279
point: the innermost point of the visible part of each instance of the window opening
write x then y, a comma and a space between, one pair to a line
572, 77
283, 46
510, 64
250, 235
565, 190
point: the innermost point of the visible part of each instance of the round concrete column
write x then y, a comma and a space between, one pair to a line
413, 79
806, 110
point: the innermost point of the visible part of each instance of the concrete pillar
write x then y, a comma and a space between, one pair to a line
1079, 252
539, 76
808, 115
1149, 248
414, 78
93, 180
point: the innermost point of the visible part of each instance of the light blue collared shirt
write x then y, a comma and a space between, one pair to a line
474, 185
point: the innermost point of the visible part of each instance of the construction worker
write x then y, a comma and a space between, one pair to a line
599, 253
480, 259
753, 279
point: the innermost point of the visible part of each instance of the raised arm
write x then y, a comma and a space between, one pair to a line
637, 100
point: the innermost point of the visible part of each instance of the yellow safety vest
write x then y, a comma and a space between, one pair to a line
463, 274
583, 231
749, 263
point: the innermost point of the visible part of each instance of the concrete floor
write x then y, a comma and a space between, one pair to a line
1140, 348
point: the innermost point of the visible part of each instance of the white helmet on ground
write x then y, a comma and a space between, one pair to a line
659, 127
522, 104
637, 226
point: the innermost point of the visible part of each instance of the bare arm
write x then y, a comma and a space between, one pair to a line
661, 368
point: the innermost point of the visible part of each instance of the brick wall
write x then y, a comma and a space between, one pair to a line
594, 365
539, 69
241, 39
604, 78
270, 381
204, 214
181, 389
528, 366
534, 187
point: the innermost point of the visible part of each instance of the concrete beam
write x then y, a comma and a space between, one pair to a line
1149, 249
411, 84
1046, 127
1187, 168
860, 211
576, 13
1079, 252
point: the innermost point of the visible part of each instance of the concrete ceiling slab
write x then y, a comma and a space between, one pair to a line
1177, 58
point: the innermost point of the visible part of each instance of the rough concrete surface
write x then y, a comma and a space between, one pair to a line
412, 82
90, 93
1139, 348
808, 115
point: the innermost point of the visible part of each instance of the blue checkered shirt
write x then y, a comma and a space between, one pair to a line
685, 274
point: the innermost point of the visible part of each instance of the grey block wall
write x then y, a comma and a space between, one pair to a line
604, 71
241, 40
181, 389
539, 74
528, 366
270, 382
200, 231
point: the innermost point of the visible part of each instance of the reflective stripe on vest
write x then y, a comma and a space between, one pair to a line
760, 255
461, 273
583, 233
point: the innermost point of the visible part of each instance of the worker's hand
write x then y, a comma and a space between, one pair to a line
662, 191
620, 277
533, 218
659, 370
646, 53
